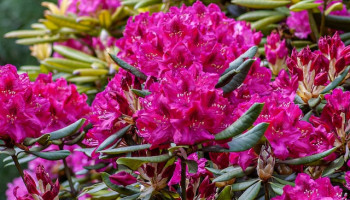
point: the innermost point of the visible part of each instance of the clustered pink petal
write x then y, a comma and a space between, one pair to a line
299, 21
22, 111
122, 178
184, 108
91, 7
307, 188
182, 36
276, 52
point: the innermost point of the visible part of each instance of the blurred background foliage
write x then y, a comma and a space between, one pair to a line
15, 15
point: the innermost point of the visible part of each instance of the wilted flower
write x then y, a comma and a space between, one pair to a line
307, 188
276, 53
183, 36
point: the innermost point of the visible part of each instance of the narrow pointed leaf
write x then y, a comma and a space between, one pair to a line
226, 78
69, 22
308, 159
90, 72
235, 172
127, 149
277, 188
52, 155
334, 7
22, 160
225, 193
251, 192
243, 185
128, 67
256, 15
112, 139
250, 53
336, 81
25, 33
67, 63
120, 189
262, 23
59, 68
335, 165
41, 140
284, 182
67, 131
248, 139
141, 93
238, 79
241, 124
84, 79
135, 162
76, 55
145, 3
259, 4
303, 6
38, 40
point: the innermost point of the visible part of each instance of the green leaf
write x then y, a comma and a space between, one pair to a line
25, 33
77, 139
335, 165
90, 72
301, 43
258, 14
97, 166
308, 159
259, 4
67, 131
262, 23
69, 22
241, 124
248, 139
277, 188
216, 172
335, 22
56, 67
41, 140
83, 79
128, 67
284, 182
131, 197
67, 63
76, 55
225, 193
250, 53
226, 78
233, 172
141, 93
126, 149
336, 81
122, 190
135, 162
303, 6
52, 155
22, 160
145, 3
8, 151
237, 79
307, 116
38, 40
334, 7
111, 139
243, 185
192, 166
251, 192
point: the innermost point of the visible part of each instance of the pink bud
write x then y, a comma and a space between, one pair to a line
122, 178
30, 183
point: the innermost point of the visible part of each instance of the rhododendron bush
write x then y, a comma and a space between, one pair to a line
180, 100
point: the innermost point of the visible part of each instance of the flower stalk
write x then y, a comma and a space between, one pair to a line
183, 179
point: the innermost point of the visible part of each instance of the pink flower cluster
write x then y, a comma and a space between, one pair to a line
184, 36
30, 109
91, 7
309, 189
276, 53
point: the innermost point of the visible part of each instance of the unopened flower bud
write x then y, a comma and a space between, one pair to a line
266, 163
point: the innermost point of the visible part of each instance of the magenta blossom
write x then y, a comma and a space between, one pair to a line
91, 7
308, 189
276, 53
184, 108
122, 178
174, 40
299, 22
22, 112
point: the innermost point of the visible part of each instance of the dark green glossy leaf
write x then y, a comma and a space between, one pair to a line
22, 160
237, 80
251, 192
8, 151
135, 162
258, 14
263, 23
112, 139
241, 124
67, 131
284, 182
335, 165
248, 139
141, 93
277, 188
192, 166
52, 155
41, 140
97, 166
250, 53
259, 4
127, 149
225, 193
300, 6
243, 185
336, 81
308, 159
234, 172
128, 67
